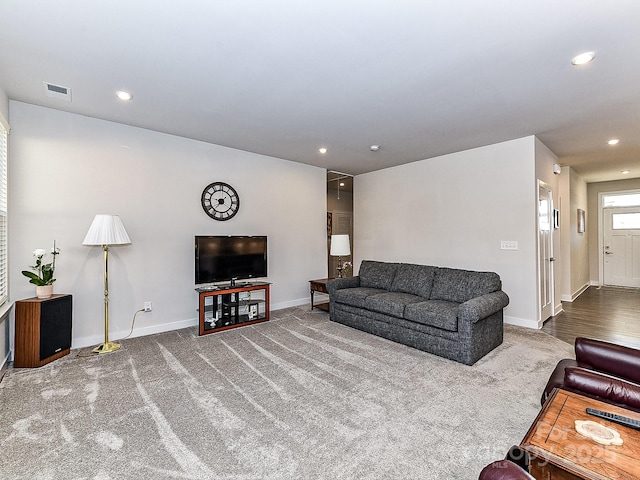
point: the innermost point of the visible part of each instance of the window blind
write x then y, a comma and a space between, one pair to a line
4, 283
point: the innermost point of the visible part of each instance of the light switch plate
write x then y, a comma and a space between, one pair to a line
508, 245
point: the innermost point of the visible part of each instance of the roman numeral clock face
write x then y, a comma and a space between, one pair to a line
220, 201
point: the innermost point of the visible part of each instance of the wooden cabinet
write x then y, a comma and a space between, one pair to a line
43, 330
222, 308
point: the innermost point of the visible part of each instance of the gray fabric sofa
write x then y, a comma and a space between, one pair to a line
456, 314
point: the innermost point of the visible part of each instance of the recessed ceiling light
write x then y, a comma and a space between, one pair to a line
614, 141
122, 95
342, 184
322, 150
625, 172
374, 148
583, 58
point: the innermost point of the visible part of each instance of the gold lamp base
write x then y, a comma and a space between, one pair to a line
107, 347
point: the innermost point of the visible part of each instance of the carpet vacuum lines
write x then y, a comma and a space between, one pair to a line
298, 397
191, 465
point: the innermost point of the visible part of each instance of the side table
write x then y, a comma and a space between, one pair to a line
557, 451
319, 285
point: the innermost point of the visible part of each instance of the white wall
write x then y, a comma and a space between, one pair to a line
593, 189
579, 241
453, 211
4, 104
564, 196
65, 168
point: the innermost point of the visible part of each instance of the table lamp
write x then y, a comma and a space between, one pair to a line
340, 247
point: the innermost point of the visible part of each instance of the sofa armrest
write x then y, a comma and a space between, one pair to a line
556, 379
607, 388
482, 306
340, 283
616, 360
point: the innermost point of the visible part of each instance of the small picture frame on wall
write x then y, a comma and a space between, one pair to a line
580, 220
556, 218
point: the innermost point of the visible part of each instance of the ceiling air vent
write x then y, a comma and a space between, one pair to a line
57, 91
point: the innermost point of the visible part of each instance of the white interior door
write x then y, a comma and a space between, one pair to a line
622, 246
545, 251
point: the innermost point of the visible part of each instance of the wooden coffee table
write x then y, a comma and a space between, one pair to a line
557, 451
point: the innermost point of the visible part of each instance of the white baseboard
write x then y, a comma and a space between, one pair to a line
558, 309
291, 303
6, 335
5, 361
137, 332
165, 327
576, 294
523, 322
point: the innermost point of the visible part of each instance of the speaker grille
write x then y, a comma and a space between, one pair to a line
55, 326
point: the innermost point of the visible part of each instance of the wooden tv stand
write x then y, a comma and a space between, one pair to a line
222, 307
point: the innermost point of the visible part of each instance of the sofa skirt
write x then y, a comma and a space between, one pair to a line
467, 346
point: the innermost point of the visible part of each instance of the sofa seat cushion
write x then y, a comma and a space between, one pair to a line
459, 286
435, 313
391, 303
356, 296
377, 274
414, 279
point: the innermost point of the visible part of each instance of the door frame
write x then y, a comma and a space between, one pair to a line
601, 196
552, 281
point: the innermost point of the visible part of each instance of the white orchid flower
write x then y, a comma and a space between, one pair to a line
39, 252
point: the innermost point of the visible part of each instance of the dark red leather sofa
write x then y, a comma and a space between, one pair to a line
504, 470
601, 370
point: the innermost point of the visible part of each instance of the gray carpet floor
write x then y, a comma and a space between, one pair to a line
298, 397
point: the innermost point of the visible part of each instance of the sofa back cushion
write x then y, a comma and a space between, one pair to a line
377, 274
414, 279
459, 286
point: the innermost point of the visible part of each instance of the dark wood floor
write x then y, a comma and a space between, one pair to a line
606, 313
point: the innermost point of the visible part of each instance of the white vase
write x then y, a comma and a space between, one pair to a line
44, 291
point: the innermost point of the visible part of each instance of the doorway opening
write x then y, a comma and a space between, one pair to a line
545, 251
339, 216
619, 238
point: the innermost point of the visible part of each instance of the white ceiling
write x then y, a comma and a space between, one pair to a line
284, 77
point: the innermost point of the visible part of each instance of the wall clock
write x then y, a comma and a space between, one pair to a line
220, 201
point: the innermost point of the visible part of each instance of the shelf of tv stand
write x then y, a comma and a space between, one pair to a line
221, 308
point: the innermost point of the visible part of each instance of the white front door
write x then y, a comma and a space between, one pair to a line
545, 250
622, 246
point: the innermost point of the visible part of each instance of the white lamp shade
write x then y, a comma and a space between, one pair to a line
106, 230
340, 246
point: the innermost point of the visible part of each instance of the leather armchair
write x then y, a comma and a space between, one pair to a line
601, 370
504, 470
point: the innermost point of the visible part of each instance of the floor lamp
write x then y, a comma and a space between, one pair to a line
340, 247
106, 230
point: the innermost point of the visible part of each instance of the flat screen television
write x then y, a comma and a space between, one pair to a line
229, 258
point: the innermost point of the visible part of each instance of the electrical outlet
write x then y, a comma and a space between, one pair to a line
147, 306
